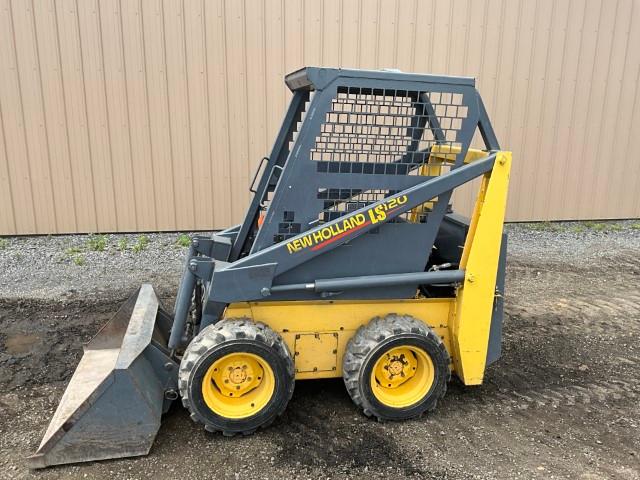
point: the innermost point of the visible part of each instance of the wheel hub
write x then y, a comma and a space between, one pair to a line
396, 367
238, 374
402, 375
238, 384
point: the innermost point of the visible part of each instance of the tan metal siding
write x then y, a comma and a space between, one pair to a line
153, 114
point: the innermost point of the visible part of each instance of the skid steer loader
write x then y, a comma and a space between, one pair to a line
349, 263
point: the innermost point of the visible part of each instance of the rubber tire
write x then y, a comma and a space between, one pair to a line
377, 337
228, 336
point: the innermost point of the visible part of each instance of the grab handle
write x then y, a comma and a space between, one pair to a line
251, 189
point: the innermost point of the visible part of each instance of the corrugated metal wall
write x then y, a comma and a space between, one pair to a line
126, 115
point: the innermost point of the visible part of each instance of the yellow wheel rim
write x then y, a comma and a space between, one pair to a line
238, 385
402, 376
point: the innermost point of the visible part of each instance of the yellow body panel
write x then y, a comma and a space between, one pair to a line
338, 318
317, 332
316, 352
471, 318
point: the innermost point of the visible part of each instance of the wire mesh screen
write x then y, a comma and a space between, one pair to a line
390, 132
381, 132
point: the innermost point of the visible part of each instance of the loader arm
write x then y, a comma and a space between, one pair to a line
319, 240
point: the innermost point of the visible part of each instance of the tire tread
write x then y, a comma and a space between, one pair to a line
369, 336
217, 334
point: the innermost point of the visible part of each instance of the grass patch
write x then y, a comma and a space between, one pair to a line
596, 226
544, 227
183, 240
71, 251
141, 244
97, 243
4, 243
123, 244
635, 226
577, 228
604, 226
76, 255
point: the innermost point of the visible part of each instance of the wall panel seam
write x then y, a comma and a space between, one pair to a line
378, 9
525, 115
107, 113
36, 49
514, 75
619, 102
283, 40
188, 92
66, 116
589, 102
630, 138
414, 29
556, 120
145, 74
207, 99
263, 59
449, 38
226, 93
245, 71
395, 34
340, 32
24, 120
321, 40
564, 165
86, 119
432, 39
358, 40
498, 57
541, 115
483, 42
6, 156
607, 171
170, 122
129, 124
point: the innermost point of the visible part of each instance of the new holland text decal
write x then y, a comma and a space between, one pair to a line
329, 234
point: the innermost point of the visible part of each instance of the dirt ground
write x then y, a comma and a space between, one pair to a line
561, 403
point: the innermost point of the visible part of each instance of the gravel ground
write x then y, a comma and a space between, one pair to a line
66, 266
562, 402
572, 241
69, 266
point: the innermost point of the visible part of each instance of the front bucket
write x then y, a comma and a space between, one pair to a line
113, 403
